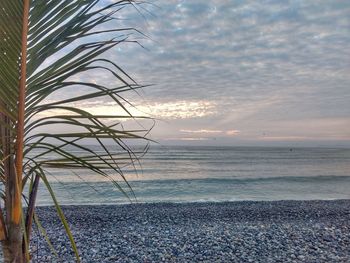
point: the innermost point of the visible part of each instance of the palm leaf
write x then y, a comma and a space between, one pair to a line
70, 34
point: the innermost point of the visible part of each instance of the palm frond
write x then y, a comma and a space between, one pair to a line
65, 39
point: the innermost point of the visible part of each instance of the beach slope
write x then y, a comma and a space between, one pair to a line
277, 231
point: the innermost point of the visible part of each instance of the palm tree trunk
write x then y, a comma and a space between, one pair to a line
13, 243
13, 246
12, 237
13, 251
6, 252
3, 233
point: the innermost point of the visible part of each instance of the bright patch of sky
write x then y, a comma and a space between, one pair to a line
241, 72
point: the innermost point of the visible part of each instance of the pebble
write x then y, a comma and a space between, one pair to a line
278, 231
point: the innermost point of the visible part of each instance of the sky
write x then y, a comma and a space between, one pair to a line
240, 72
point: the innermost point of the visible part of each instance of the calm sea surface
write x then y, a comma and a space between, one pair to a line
197, 174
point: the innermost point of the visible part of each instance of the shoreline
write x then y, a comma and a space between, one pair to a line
191, 202
240, 231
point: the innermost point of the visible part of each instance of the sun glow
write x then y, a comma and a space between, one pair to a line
183, 109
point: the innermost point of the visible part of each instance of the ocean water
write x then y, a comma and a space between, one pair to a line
199, 174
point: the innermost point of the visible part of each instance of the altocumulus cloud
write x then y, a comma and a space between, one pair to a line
263, 67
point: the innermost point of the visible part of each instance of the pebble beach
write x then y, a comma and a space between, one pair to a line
246, 231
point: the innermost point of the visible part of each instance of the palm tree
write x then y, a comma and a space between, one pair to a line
69, 33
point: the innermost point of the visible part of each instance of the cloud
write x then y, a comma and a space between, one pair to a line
162, 110
184, 109
202, 131
285, 138
247, 50
233, 132
212, 132
247, 64
187, 139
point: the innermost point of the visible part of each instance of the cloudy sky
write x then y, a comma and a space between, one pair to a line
242, 72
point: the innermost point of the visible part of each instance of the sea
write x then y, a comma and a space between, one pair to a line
210, 174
